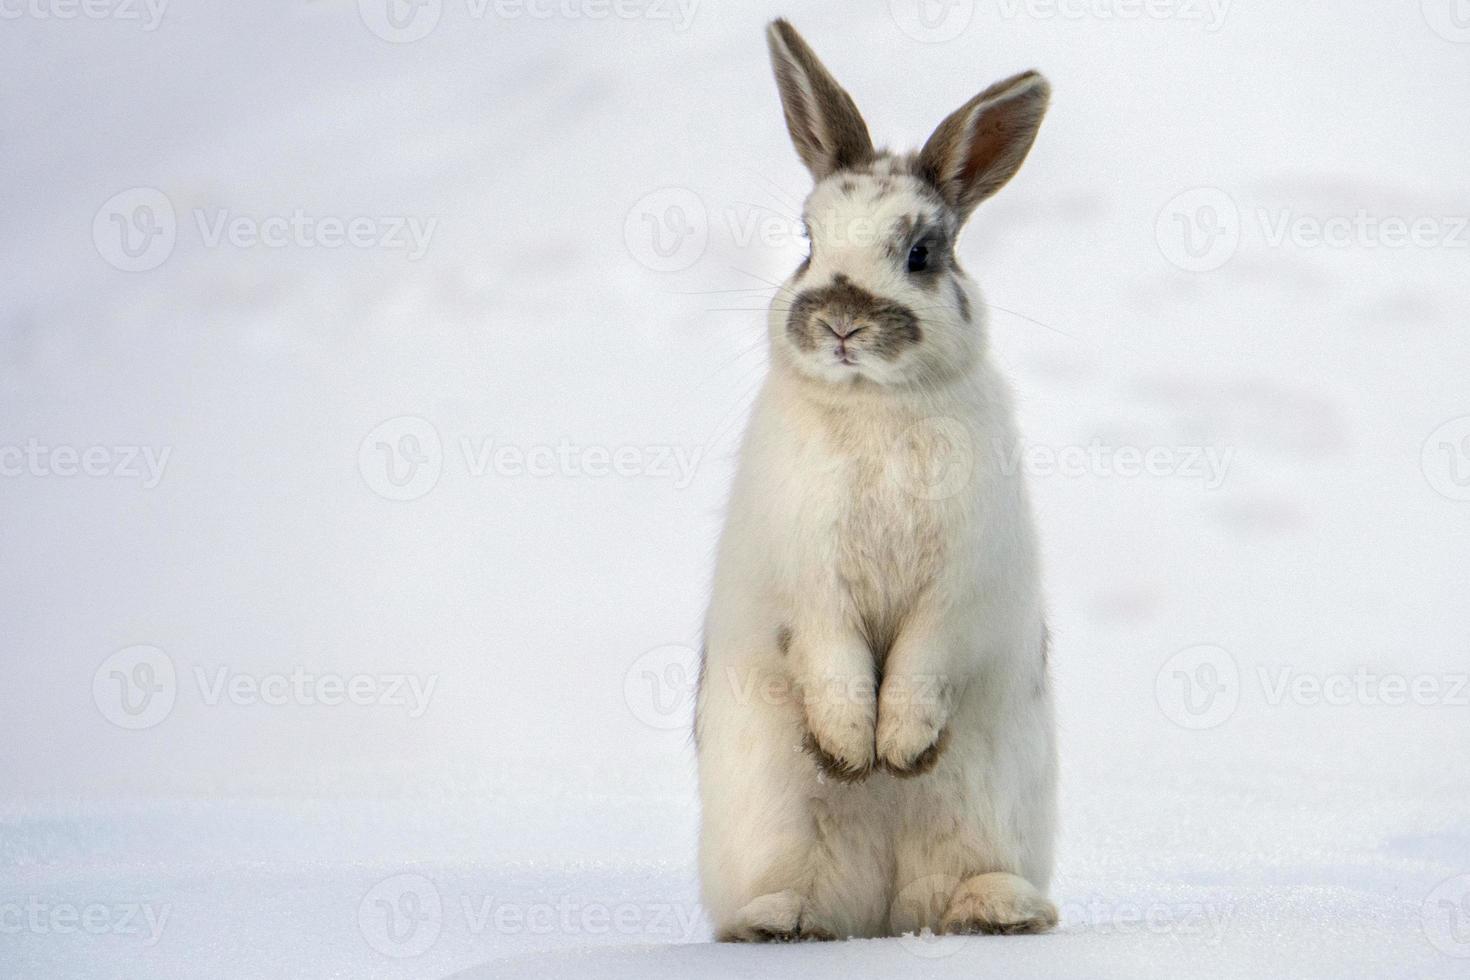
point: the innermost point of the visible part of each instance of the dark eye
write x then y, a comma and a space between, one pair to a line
919, 258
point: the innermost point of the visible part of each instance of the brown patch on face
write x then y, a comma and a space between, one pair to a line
961, 300
848, 187
783, 640
882, 328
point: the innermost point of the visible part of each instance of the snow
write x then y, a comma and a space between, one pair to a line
1311, 820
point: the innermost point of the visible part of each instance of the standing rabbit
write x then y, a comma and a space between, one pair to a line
875, 724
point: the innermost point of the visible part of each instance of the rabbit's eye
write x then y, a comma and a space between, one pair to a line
919, 258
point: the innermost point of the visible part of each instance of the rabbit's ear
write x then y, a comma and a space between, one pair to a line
825, 124
982, 144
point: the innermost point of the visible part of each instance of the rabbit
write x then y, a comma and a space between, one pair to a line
874, 724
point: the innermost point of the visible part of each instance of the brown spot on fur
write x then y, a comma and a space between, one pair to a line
783, 640
961, 300
925, 762
832, 767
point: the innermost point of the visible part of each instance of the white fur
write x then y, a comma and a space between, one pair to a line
827, 470
876, 597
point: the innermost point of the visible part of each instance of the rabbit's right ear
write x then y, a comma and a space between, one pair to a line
825, 124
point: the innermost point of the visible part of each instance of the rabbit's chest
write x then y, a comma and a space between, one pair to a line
881, 514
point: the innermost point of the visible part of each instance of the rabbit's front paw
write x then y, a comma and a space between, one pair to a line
839, 735
911, 732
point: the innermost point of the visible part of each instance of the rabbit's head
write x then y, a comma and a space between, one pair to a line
880, 297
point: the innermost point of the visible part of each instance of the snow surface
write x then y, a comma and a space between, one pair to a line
537, 817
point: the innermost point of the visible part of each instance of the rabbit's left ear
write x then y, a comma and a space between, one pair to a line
825, 124
982, 144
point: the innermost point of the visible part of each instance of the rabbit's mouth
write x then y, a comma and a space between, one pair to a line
851, 323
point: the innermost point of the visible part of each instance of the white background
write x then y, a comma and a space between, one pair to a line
547, 780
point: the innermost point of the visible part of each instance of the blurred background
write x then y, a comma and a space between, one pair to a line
370, 377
